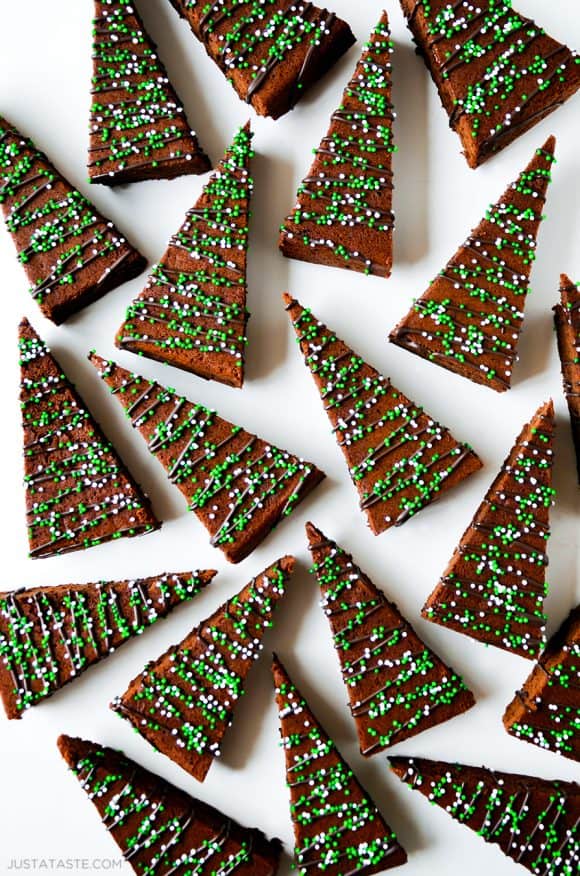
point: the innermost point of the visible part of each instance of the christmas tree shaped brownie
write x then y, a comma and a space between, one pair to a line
71, 254
184, 702
567, 319
78, 492
396, 685
192, 312
138, 129
271, 53
546, 712
470, 318
494, 586
533, 821
239, 486
160, 829
337, 827
343, 215
399, 458
51, 635
497, 72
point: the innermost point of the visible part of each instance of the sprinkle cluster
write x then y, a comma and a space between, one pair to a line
78, 493
396, 685
50, 635
227, 475
399, 458
347, 196
189, 695
494, 586
534, 822
470, 317
338, 827
195, 299
136, 123
61, 240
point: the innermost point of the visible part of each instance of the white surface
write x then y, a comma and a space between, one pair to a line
44, 85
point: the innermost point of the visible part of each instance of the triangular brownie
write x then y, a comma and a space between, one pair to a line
343, 214
470, 318
337, 826
494, 586
192, 313
399, 458
50, 635
159, 828
396, 685
567, 319
270, 53
71, 254
534, 821
78, 492
239, 486
184, 702
138, 129
546, 712
497, 72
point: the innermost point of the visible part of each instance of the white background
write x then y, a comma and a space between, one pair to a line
44, 89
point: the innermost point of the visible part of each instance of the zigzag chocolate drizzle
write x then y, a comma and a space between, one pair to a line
78, 492
192, 313
494, 586
50, 635
136, 121
533, 821
185, 701
337, 826
350, 185
161, 830
398, 457
397, 687
68, 249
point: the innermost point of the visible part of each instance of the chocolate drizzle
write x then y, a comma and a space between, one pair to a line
494, 586
184, 703
192, 312
239, 486
397, 687
347, 195
399, 458
71, 254
533, 821
336, 824
78, 493
159, 829
50, 635
470, 318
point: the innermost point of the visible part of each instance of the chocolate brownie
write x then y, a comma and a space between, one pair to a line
399, 458
567, 320
533, 821
494, 586
497, 72
72, 255
396, 685
50, 635
192, 313
343, 214
546, 711
271, 53
337, 826
184, 702
239, 486
138, 128
78, 492
160, 829
470, 318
